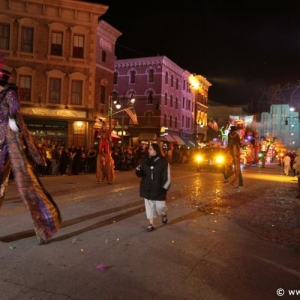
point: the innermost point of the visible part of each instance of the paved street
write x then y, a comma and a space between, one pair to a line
220, 242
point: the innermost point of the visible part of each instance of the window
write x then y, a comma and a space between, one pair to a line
182, 121
183, 102
176, 103
78, 46
166, 78
76, 92
171, 101
166, 99
25, 88
175, 122
150, 98
102, 94
115, 78
54, 90
4, 36
172, 81
165, 120
27, 39
56, 43
149, 118
151, 76
183, 86
132, 77
177, 84
103, 56
171, 121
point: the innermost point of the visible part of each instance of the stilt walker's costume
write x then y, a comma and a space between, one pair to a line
234, 145
105, 163
19, 154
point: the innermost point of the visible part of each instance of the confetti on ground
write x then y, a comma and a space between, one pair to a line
101, 267
81, 250
12, 247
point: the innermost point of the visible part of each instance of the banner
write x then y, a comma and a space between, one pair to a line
132, 114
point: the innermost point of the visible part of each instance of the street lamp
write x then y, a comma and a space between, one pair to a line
123, 106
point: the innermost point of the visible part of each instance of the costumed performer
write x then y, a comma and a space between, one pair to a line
234, 146
19, 154
105, 163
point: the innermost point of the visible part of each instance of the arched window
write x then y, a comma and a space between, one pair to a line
132, 76
175, 122
166, 98
166, 78
165, 120
149, 116
115, 77
177, 83
103, 56
151, 75
172, 81
171, 121
176, 103
171, 101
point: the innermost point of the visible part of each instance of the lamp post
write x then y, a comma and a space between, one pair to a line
123, 106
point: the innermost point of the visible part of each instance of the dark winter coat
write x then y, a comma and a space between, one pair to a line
156, 178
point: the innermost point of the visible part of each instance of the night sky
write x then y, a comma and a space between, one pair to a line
240, 51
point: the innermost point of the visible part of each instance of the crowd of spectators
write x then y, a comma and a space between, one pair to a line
78, 160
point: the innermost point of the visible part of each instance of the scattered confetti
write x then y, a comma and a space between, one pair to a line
81, 250
187, 223
101, 267
173, 242
12, 247
106, 241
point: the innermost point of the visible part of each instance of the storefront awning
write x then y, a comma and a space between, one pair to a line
178, 140
147, 136
168, 138
189, 142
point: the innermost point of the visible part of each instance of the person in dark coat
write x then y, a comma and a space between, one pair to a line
155, 177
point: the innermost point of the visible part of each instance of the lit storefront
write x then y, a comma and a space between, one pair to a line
57, 126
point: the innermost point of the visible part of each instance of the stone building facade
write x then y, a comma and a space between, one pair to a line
62, 59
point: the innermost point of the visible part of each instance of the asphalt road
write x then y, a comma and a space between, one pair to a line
220, 242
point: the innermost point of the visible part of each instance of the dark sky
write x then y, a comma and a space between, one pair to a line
240, 51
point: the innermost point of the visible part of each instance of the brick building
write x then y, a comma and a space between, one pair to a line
171, 103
